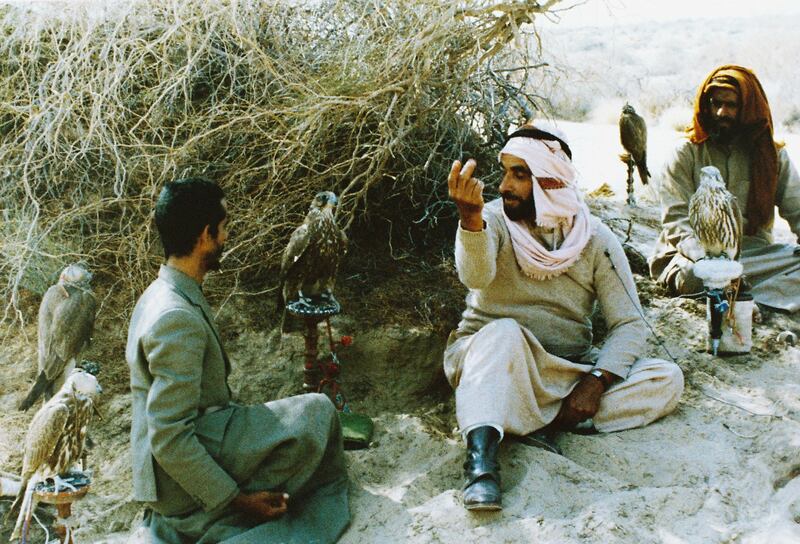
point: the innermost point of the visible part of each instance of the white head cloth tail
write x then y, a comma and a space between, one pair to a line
558, 205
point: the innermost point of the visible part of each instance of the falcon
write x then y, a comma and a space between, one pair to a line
66, 322
55, 439
633, 135
715, 217
311, 258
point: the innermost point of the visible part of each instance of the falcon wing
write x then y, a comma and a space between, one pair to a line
633, 135
640, 128
343, 242
693, 214
736, 217
54, 297
625, 134
298, 243
44, 432
294, 249
70, 329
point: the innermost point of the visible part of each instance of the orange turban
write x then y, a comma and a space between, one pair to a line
755, 121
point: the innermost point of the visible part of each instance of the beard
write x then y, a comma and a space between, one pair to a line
723, 131
212, 260
518, 209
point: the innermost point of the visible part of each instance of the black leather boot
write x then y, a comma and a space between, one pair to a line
482, 471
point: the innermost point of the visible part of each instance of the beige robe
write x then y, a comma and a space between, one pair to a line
772, 269
523, 344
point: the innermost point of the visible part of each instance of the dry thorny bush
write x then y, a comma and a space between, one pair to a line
275, 100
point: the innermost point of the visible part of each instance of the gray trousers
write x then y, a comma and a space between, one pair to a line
293, 445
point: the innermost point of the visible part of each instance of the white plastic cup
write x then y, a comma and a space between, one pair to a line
737, 327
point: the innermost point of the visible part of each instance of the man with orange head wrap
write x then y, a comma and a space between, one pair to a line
732, 130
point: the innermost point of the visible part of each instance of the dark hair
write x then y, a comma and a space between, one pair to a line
537, 134
183, 210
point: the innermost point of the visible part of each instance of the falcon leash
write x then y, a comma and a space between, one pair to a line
636, 307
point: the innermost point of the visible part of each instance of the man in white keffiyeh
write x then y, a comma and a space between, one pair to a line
521, 361
556, 206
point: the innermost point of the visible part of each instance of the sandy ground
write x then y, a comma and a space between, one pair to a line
722, 469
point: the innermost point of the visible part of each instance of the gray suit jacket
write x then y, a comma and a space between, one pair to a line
178, 369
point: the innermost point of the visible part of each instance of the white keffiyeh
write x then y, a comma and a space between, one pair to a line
558, 206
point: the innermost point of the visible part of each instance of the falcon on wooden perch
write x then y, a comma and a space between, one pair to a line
633, 135
55, 439
715, 217
311, 258
66, 322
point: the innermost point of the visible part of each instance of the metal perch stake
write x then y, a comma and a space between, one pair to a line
313, 311
627, 159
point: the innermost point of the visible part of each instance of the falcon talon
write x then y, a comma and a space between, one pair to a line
62, 483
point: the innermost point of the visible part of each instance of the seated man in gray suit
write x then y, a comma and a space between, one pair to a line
211, 470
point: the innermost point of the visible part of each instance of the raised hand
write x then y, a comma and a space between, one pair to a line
467, 194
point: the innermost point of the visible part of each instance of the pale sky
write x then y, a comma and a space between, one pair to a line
620, 12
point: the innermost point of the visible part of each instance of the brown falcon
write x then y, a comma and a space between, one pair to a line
715, 217
66, 322
311, 258
633, 135
55, 439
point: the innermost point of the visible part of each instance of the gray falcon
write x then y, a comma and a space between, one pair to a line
66, 323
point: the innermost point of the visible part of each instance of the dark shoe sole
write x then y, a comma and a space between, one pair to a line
483, 507
538, 440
